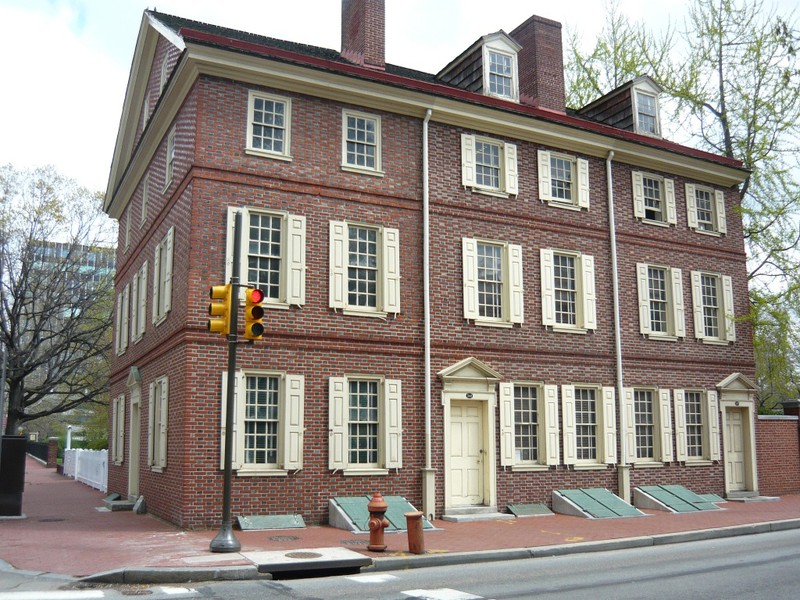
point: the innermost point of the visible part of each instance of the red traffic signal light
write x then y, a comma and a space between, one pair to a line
253, 313
220, 309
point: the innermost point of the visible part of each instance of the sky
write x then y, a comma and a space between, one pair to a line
64, 64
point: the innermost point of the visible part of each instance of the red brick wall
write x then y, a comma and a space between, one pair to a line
778, 455
364, 32
541, 63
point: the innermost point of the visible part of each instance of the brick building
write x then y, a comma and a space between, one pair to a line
474, 295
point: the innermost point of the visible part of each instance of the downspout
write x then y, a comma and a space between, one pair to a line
623, 472
428, 489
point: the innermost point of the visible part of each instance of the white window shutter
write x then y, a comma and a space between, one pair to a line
712, 403
678, 313
511, 174
391, 270
119, 429
142, 300
669, 201
231, 227
162, 431
237, 454
548, 290
545, 181
697, 304
393, 419
589, 294
292, 423
118, 328
629, 431
337, 422
681, 453
338, 265
156, 281
643, 288
467, 160
134, 323
727, 299
516, 292
583, 183
691, 206
150, 423
507, 453
665, 424
722, 221
550, 437
295, 259
609, 425
469, 259
168, 272
126, 304
638, 194
568, 419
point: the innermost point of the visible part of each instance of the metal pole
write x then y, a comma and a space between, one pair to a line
225, 540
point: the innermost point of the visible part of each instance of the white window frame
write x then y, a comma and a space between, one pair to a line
586, 295
145, 199
158, 416
513, 295
605, 423
667, 191
162, 76
291, 427
139, 304
123, 319
388, 276
128, 216
662, 427
719, 221
711, 433
169, 159
547, 435
501, 45
676, 318
579, 177
638, 111
726, 316
162, 277
292, 287
390, 426
286, 153
118, 430
353, 167
508, 176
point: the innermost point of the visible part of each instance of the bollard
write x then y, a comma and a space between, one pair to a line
377, 523
416, 543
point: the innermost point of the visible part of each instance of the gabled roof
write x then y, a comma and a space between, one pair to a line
641, 81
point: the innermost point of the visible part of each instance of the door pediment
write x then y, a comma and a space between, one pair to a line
469, 369
737, 382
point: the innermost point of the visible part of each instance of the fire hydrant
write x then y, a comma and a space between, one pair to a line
377, 523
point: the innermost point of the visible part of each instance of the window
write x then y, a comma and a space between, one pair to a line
697, 426
590, 430
122, 320
500, 67
273, 255
488, 166
139, 303
493, 293
365, 424
563, 180
361, 144
145, 199
267, 422
646, 113
365, 269
145, 111
654, 199
128, 228
268, 132
712, 297
162, 277
118, 430
647, 437
568, 291
157, 424
169, 167
528, 425
661, 312
705, 209
162, 77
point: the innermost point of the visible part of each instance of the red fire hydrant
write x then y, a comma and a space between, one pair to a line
377, 523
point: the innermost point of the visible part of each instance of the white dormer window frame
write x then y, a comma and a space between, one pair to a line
500, 68
646, 108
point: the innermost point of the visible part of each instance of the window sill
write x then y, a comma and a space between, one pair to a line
363, 170
708, 232
560, 204
590, 466
267, 154
165, 189
159, 320
155, 469
562, 329
261, 473
354, 312
714, 342
648, 465
647, 221
364, 472
497, 193
501, 324
698, 463
661, 338
118, 463
529, 468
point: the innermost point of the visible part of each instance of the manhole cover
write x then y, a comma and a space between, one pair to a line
355, 542
50, 519
303, 555
284, 538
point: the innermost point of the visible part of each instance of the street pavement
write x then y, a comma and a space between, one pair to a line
67, 534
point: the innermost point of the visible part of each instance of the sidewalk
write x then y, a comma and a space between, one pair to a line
64, 533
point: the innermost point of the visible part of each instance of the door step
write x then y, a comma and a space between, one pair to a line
469, 514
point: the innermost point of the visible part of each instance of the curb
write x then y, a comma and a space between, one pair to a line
175, 575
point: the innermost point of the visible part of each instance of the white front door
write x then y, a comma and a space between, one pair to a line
466, 454
734, 452
134, 442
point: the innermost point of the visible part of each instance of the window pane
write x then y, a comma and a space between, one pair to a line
694, 423
362, 271
710, 305
500, 75
261, 420
565, 289
705, 210
652, 199
363, 423
490, 281
585, 424
657, 283
646, 105
561, 174
361, 142
268, 125
644, 423
526, 423
264, 253
487, 164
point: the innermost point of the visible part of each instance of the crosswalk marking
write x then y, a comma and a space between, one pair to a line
54, 595
381, 578
440, 594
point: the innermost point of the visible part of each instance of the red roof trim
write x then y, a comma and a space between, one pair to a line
381, 76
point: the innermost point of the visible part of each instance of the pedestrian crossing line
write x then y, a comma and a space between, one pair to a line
53, 595
440, 594
379, 578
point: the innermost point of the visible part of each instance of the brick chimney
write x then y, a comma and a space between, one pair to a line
541, 63
364, 32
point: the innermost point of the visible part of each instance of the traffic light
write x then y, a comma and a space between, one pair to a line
220, 309
253, 313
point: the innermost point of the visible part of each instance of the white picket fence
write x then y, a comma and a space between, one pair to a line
87, 466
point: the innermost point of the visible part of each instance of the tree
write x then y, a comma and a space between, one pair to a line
56, 294
734, 80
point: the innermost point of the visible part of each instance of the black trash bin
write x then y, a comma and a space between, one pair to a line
12, 475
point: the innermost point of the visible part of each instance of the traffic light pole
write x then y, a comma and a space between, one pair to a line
225, 540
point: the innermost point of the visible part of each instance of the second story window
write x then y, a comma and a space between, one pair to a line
493, 292
568, 291
712, 296
563, 180
361, 142
488, 166
653, 199
169, 167
162, 277
268, 125
705, 209
661, 313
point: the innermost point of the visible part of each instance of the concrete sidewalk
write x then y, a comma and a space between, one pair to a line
67, 532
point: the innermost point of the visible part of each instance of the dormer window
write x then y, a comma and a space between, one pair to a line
501, 76
646, 113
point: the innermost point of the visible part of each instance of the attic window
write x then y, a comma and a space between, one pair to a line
647, 113
500, 72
